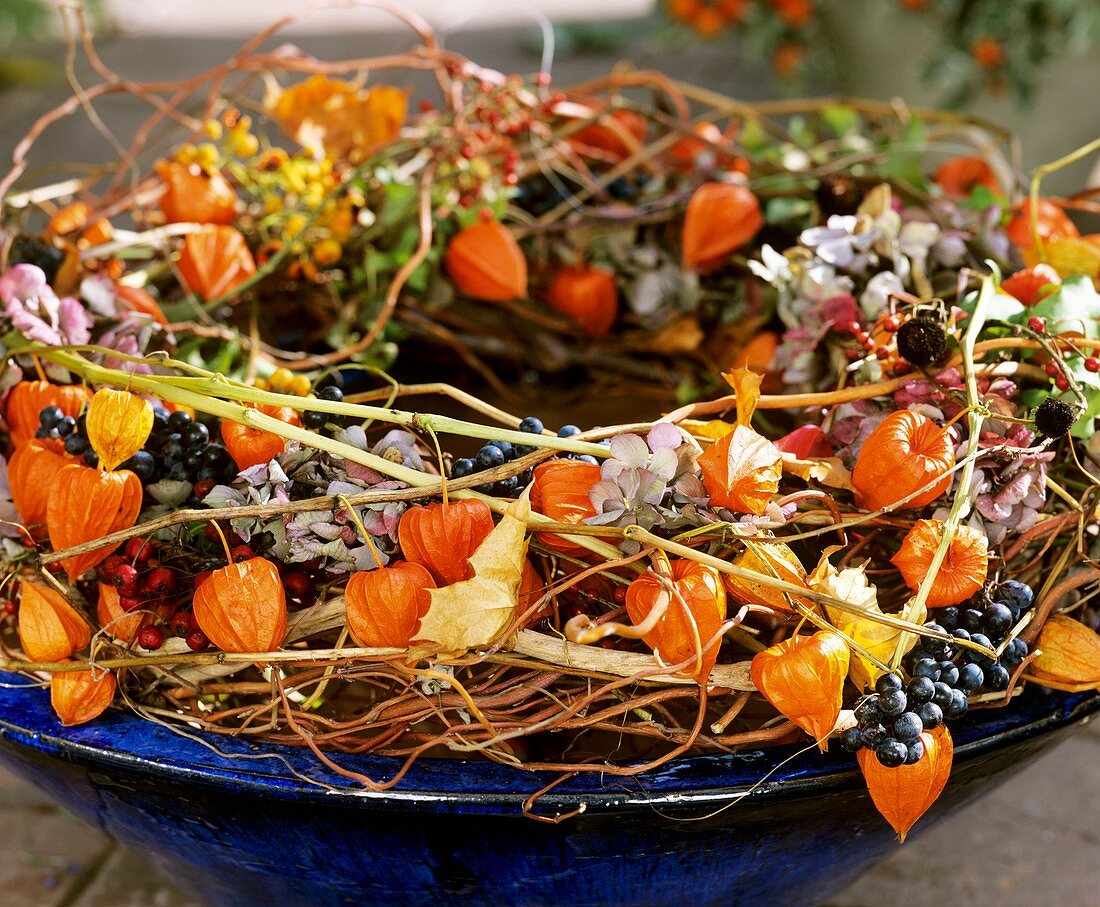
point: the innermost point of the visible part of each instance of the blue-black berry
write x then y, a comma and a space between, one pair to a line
532, 425
892, 753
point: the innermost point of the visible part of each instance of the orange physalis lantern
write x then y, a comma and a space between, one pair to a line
741, 471
693, 614
1069, 653
532, 587
28, 398
74, 217
242, 607
250, 446
1052, 224
141, 301
962, 572
903, 794
587, 295
905, 452
485, 261
772, 559
114, 618
81, 696
215, 261
611, 136
720, 219
49, 628
87, 504
443, 537
191, 195
561, 492
31, 473
384, 606
118, 425
959, 176
698, 147
803, 677
1030, 285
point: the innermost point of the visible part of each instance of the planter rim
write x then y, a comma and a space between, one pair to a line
124, 743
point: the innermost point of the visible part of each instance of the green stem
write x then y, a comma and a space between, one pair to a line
960, 506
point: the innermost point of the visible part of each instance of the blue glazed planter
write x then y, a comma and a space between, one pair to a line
240, 824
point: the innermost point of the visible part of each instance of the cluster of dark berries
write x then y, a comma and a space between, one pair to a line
314, 420
38, 252
497, 453
944, 675
892, 719
144, 583
1053, 417
178, 448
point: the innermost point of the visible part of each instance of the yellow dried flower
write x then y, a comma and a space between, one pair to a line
118, 424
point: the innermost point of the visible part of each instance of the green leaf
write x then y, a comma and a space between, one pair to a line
903, 157
999, 307
1074, 307
841, 119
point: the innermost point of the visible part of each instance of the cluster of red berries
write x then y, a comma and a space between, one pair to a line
1038, 324
144, 583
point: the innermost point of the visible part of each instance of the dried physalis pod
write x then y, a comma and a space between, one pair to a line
803, 677
587, 295
768, 559
694, 603
443, 537
31, 473
962, 571
86, 505
49, 627
484, 261
193, 195
384, 606
741, 471
905, 452
562, 492
242, 607
250, 446
118, 425
215, 261
1069, 653
78, 697
904, 794
720, 219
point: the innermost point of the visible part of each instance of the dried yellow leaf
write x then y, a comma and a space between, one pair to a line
746, 388
829, 471
852, 586
118, 425
473, 613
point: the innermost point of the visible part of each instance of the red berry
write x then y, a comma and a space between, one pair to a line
126, 578
10, 607
1053, 369
1037, 323
211, 533
139, 551
160, 582
196, 640
1092, 364
881, 353
129, 603
891, 324
181, 623
1061, 382
203, 487
108, 570
202, 577
619, 594
241, 553
296, 583
425, 105
150, 638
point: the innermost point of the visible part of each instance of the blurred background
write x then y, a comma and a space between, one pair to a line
1033, 65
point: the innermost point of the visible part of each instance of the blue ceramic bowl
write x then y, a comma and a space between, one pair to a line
240, 824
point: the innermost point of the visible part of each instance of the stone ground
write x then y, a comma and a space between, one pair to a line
1032, 841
